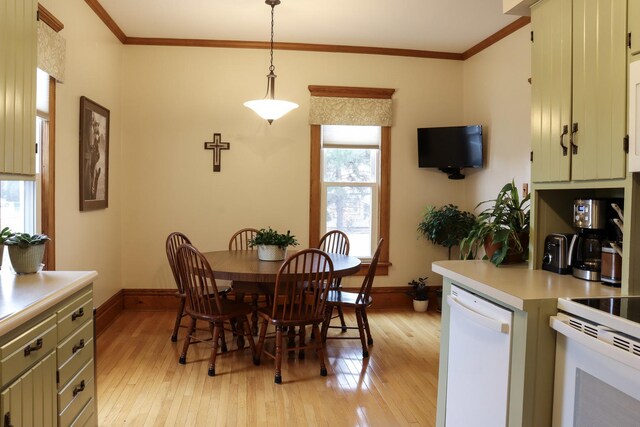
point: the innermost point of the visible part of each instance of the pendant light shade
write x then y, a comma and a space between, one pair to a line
270, 108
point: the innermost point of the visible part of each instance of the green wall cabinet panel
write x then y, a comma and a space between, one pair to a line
633, 23
578, 90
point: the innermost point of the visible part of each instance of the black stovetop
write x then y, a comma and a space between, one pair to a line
625, 307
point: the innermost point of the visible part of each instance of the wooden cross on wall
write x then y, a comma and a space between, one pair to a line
217, 145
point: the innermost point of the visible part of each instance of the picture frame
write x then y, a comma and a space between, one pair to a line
94, 155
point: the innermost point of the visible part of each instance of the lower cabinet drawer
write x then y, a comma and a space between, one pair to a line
74, 314
86, 417
75, 363
75, 395
75, 343
19, 354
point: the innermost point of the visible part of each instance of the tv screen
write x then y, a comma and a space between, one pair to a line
450, 147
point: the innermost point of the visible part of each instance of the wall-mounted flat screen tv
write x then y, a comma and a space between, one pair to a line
450, 148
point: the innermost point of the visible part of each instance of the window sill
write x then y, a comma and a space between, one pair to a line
381, 270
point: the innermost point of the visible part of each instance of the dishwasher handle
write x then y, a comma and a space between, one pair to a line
495, 325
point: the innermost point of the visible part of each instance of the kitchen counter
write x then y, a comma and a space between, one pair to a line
518, 285
23, 297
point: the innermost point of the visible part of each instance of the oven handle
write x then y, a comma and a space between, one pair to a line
595, 344
495, 325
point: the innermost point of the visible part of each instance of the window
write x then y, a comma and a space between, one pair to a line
350, 184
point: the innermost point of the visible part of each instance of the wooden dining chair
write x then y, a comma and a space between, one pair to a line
300, 292
174, 241
359, 301
197, 278
337, 242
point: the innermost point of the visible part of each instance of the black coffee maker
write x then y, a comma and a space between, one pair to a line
589, 217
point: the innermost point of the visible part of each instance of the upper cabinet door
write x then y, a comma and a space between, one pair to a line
18, 64
633, 22
551, 90
599, 89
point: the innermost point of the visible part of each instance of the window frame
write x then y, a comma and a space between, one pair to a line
384, 195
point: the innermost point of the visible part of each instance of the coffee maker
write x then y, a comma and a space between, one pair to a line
589, 217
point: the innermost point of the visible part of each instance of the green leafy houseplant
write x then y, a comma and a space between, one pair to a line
446, 226
26, 251
5, 233
419, 289
503, 228
269, 237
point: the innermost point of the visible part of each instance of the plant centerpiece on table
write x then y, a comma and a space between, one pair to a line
272, 246
26, 251
419, 293
502, 228
446, 226
5, 233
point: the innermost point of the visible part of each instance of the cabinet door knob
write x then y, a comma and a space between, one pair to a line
28, 349
565, 130
572, 138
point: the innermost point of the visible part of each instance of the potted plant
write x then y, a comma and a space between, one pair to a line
419, 292
272, 246
502, 228
26, 251
446, 226
5, 233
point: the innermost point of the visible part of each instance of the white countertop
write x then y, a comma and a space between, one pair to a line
515, 285
23, 297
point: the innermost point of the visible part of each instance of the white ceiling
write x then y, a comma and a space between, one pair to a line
436, 25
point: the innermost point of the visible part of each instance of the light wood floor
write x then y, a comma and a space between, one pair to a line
141, 383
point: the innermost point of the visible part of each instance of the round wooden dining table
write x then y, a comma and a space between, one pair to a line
252, 276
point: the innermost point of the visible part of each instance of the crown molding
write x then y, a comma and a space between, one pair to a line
47, 17
304, 47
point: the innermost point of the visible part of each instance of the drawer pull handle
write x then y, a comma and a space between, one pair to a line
77, 389
78, 346
77, 314
7, 420
28, 349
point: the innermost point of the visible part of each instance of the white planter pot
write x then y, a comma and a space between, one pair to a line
420, 306
26, 260
271, 253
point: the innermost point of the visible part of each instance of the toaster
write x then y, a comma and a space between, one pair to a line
556, 253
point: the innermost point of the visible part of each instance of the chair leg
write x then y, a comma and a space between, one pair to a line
179, 315
366, 326
187, 340
246, 328
301, 340
328, 313
342, 323
214, 349
320, 349
261, 338
254, 315
365, 351
278, 376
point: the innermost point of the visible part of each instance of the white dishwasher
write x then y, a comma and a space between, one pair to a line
478, 362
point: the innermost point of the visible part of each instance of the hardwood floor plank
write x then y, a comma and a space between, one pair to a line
140, 382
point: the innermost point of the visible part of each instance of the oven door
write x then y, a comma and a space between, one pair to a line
596, 383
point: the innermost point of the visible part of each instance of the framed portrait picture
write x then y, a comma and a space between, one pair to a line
94, 155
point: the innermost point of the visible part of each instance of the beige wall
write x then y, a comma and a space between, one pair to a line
88, 240
175, 98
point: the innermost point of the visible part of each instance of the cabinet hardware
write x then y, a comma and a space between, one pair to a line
531, 156
572, 138
565, 130
629, 40
77, 314
625, 144
78, 346
28, 349
7, 420
531, 36
78, 389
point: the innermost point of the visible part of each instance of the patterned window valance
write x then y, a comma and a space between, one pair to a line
350, 106
51, 52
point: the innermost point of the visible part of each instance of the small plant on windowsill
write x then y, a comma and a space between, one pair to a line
26, 251
420, 294
272, 246
5, 233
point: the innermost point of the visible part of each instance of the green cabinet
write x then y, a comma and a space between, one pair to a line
633, 22
578, 111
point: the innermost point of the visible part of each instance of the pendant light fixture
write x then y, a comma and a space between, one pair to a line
270, 108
